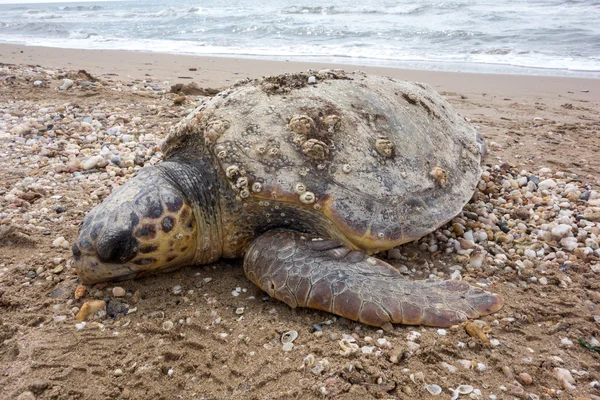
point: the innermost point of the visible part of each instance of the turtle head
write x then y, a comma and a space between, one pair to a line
145, 226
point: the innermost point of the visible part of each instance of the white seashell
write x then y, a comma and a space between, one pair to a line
464, 389
289, 337
434, 389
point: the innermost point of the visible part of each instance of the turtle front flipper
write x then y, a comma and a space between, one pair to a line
323, 274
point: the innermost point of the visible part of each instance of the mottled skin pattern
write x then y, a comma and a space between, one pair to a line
306, 182
305, 271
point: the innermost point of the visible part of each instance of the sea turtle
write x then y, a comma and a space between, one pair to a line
306, 175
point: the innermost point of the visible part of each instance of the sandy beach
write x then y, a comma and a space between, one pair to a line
63, 151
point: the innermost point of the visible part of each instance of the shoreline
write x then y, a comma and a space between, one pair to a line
222, 71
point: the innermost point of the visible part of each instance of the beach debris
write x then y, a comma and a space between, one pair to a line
479, 332
589, 346
192, 89
565, 378
89, 308
80, 292
289, 337
435, 390
67, 83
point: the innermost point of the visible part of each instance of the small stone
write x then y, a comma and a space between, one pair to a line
524, 378
177, 289
118, 291
547, 184
565, 342
565, 378
26, 396
92, 162
67, 83
58, 269
239, 311
60, 242
561, 231
127, 138
508, 372
312, 80
38, 83
118, 372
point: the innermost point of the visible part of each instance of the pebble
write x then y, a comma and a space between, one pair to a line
118, 291
561, 231
524, 378
565, 378
92, 162
118, 372
565, 342
60, 242
67, 83
312, 80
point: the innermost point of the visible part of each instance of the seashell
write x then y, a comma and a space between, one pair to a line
289, 337
464, 389
309, 360
434, 389
347, 347
287, 346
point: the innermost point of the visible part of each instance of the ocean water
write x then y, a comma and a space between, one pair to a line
542, 37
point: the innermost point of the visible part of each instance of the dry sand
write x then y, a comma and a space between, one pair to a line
209, 351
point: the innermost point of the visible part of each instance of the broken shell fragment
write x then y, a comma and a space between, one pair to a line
464, 389
346, 168
384, 147
347, 347
80, 292
89, 308
289, 337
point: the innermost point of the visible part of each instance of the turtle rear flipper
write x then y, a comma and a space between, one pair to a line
325, 275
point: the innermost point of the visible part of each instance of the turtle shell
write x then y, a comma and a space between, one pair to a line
383, 161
